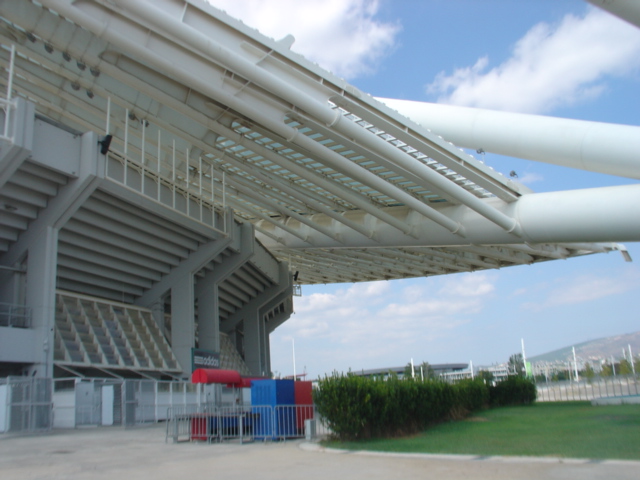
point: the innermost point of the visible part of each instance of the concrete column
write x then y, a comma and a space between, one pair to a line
41, 298
266, 351
182, 322
253, 342
208, 318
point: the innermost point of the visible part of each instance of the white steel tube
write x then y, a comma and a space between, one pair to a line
279, 128
11, 67
334, 119
108, 125
142, 155
200, 175
7, 116
607, 214
126, 143
304, 219
213, 198
628, 10
593, 146
224, 193
159, 183
188, 186
293, 352
173, 172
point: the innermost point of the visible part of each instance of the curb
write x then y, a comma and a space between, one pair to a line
316, 447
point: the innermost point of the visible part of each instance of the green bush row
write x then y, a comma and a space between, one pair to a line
359, 407
512, 391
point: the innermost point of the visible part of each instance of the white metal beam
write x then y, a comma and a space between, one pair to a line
597, 147
628, 10
553, 217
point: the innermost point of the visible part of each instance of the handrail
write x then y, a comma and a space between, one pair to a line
14, 315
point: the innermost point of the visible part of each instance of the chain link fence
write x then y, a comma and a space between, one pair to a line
105, 402
25, 405
588, 389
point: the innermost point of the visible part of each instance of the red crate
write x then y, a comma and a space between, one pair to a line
303, 396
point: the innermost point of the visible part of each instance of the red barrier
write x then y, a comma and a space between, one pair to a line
231, 378
210, 375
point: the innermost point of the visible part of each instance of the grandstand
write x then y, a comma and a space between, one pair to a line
169, 176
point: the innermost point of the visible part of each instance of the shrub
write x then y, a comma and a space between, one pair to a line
512, 391
358, 407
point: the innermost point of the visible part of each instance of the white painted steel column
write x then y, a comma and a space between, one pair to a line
593, 146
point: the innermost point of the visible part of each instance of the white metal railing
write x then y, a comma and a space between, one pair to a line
245, 423
6, 103
12, 315
184, 184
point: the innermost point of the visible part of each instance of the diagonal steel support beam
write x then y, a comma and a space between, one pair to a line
69, 199
285, 281
15, 150
194, 263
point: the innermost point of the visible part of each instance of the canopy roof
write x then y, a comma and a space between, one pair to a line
335, 183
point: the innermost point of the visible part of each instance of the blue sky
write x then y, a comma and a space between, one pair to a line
553, 57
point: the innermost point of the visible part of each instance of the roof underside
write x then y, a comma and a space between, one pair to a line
315, 165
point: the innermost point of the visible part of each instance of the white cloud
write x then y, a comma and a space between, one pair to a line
528, 178
475, 285
588, 288
342, 36
585, 288
551, 66
369, 325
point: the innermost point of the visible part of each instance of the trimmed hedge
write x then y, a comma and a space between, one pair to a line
359, 408
513, 391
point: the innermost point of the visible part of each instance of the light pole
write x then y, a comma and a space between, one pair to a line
293, 351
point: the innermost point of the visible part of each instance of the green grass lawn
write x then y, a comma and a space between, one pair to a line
567, 429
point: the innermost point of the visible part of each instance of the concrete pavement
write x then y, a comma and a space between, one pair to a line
118, 454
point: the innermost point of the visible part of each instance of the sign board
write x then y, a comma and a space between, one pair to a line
204, 359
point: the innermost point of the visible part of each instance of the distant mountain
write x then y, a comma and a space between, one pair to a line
594, 349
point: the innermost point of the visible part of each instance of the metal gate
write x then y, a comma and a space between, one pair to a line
26, 406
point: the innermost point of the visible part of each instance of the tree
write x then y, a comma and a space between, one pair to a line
486, 376
588, 372
424, 369
624, 367
607, 370
560, 375
516, 365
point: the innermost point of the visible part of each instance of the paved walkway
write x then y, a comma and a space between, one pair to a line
119, 454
